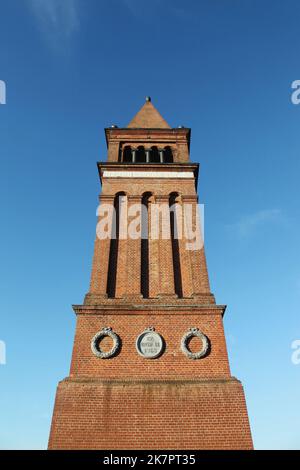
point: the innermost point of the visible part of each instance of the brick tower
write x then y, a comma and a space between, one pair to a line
149, 366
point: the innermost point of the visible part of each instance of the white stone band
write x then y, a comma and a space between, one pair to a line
148, 174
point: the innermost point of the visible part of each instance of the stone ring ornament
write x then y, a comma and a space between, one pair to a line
96, 350
149, 344
194, 332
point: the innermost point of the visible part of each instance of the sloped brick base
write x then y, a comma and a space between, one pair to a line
99, 414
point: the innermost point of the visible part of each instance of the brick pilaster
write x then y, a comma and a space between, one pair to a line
166, 272
197, 256
121, 270
98, 283
134, 253
185, 258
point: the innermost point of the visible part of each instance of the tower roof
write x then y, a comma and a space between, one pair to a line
148, 118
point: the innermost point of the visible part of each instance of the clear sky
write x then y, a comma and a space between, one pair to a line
223, 68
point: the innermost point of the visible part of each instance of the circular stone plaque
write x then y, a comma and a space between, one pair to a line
149, 344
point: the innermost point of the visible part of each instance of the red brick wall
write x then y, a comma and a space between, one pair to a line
139, 186
150, 415
192, 262
172, 364
128, 401
176, 138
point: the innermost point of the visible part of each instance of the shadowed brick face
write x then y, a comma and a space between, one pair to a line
129, 401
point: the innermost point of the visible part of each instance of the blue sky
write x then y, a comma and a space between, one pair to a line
223, 68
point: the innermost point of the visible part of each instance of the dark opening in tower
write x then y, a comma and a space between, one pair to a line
140, 154
127, 154
145, 244
114, 244
173, 202
168, 155
154, 154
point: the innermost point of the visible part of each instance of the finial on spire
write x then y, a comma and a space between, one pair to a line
148, 98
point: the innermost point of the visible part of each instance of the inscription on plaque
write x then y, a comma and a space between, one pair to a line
149, 344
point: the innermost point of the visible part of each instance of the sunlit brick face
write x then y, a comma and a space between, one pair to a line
175, 390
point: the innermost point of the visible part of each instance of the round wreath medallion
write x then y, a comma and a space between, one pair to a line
194, 332
96, 340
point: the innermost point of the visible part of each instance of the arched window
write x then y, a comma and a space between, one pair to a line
168, 155
173, 201
127, 154
114, 244
145, 245
154, 157
140, 154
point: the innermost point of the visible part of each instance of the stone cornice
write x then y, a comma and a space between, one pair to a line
140, 381
172, 134
123, 309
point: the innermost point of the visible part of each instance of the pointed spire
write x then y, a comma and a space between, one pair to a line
148, 118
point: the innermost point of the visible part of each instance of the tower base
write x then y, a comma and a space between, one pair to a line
171, 414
